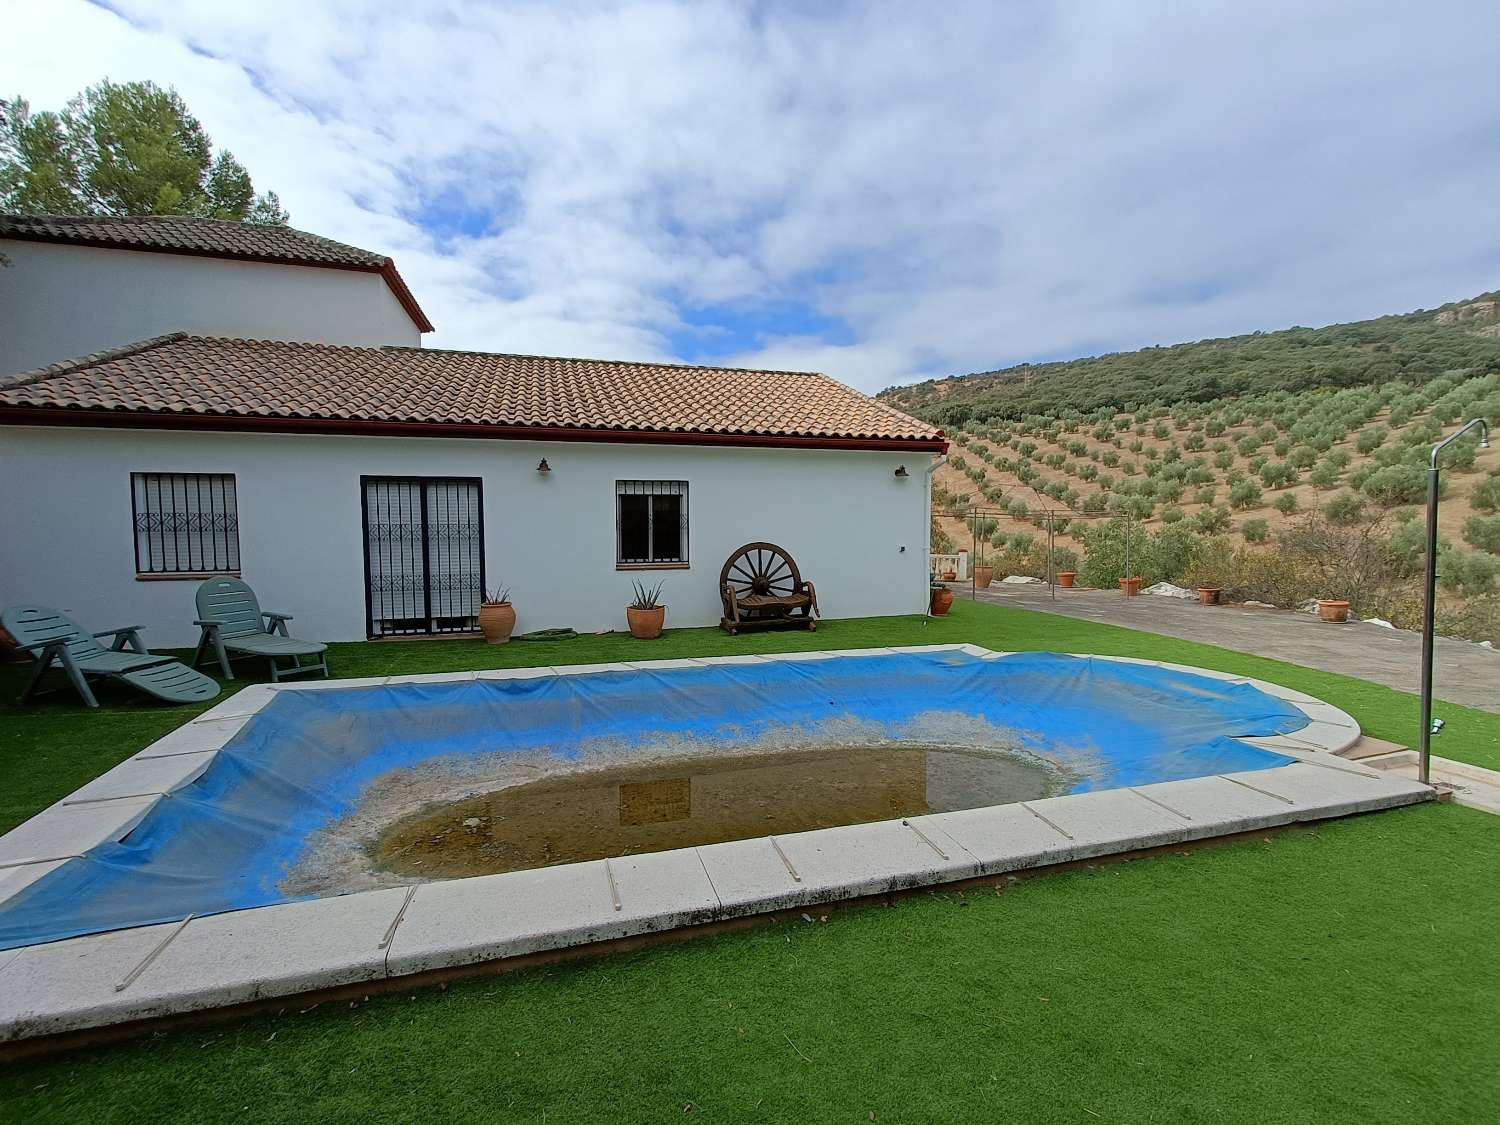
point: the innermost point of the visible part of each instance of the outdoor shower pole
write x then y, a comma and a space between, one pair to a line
1424, 769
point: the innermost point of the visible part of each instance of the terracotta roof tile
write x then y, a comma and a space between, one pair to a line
258, 379
216, 238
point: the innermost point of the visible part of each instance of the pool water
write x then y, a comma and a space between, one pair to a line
704, 799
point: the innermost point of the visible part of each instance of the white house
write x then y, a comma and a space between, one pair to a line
72, 286
378, 490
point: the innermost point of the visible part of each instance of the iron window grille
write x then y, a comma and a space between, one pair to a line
185, 523
651, 522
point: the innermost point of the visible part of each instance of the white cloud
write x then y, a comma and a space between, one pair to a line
961, 186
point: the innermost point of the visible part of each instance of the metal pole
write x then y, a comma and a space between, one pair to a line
1127, 545
1424, 766
1051, 566
1429, 597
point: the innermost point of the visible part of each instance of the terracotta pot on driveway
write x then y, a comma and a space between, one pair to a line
1130, 587
983, 576
1065, 578
1334, 612
1209, 595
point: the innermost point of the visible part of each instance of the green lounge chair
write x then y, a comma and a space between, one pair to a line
232, 621
52, 636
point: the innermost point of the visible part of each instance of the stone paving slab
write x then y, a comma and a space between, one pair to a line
304, 946
14, 880
64, 831
138, 777
463, 921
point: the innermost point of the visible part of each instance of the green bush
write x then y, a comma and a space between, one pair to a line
1483, 532
1487, 496
1344, 508
1245, 494
1248, 444
1278, 474
1396, 484
1286, 503
1206, 495
1172, 514
1255, 531
1467, 572
1211, 520
1371, 439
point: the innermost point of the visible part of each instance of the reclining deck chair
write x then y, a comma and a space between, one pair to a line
52, 636
232, 621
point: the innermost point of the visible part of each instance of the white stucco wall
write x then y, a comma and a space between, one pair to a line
857, 531
59, 302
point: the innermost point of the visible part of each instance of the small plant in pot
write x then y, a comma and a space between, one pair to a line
1130, 587
1210, 595
497, 617
646, 613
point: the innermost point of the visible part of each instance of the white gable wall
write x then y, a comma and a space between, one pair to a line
855, 529
60, 302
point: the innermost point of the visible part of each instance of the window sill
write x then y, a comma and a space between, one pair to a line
186, 575
652, 566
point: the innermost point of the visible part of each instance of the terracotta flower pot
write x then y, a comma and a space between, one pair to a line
950, 575
646, 624
942, 599
497, 620
1130, 587
1335, 612
983, 576
1065, 578
1209, 595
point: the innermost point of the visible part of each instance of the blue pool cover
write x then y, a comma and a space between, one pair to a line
226, 840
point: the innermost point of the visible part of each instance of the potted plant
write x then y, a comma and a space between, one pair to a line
1066, 578
1130, 587
497, 617
645, 612
941, 600
1209, 595
1332, 610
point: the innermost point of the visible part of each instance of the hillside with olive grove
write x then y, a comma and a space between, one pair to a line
1311, 487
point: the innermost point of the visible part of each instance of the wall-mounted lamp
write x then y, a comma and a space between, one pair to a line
901, 471
543, 467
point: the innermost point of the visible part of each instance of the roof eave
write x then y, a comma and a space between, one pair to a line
138, 419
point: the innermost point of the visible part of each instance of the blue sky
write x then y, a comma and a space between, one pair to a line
882, 191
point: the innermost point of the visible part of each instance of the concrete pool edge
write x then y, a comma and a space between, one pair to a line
315, 945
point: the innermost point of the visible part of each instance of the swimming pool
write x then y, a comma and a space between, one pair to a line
290, 805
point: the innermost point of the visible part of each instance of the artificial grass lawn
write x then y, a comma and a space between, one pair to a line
1335, 973
52, 747
1339, 972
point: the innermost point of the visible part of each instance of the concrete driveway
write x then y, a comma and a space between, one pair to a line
1463, 672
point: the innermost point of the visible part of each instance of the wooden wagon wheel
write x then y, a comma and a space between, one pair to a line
761, 568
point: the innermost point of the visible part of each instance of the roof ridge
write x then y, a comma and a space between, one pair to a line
597, 359
68, 366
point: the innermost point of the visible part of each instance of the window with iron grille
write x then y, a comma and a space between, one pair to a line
651, 522
185, 523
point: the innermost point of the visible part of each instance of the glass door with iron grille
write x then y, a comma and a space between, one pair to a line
424, 554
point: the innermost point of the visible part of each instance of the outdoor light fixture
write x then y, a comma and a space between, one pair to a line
543, 467
1431, 726
901, 471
